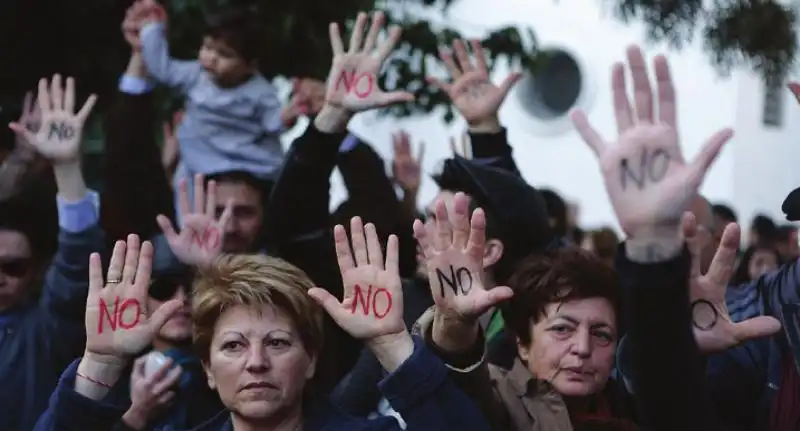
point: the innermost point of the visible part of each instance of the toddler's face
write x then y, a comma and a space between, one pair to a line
226, 66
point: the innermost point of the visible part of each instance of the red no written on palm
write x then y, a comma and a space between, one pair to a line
117, 321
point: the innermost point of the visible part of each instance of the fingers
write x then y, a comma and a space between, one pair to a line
26, 105
169, 378
343, 254
642, 92
227, 213
44, 96
167, 228
357, 36
138, 366
211, 199
131, 259
56, 93
492, 298
183, 198
724, 261
587, 132
421, 235
689, 232
95, 273
163, 313
117, 262
477, 235
464, 61
480, 56
444, 230
374, 253
622, 106
393, 255
199, 194
757, 327
359, 241
420, 153
83, 114
144, 268
374, 29
667, 105
703, 161
460, 221
794, 87
386, 48
69, 97
336, 39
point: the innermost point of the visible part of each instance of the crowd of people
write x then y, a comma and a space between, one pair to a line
208, 286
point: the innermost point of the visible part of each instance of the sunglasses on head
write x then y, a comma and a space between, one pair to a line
164, 287
15, 266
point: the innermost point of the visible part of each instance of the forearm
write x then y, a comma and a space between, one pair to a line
392, 350
97, 374
69, 180
136, 66
454, 335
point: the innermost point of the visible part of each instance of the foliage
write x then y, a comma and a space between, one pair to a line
758, 33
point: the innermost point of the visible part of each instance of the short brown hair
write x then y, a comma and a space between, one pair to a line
254, 281
560, 275
605, 242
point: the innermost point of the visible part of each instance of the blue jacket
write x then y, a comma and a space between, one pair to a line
419, 390
40, 340
744, 381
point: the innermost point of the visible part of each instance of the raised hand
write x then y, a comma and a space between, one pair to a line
117, 320
406, 169
353, 80
373, 299
200, 240
454, 258
471, 91
646, 177
713, 328
59, 137
31, 118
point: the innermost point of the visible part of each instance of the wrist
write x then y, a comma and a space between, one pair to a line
454, 334
135, 418
332, 119
96, 374
392, 350
653, 244
69, 180
485, 125
136, 65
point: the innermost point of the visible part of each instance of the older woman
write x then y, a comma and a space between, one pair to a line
259, 334
564, 315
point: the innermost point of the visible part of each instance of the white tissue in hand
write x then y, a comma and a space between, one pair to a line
155, 360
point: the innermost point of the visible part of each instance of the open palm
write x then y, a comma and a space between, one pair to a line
373, 298
353, 79
454, 257
646, 176
59, 135
201, 236
117, 319
713, 327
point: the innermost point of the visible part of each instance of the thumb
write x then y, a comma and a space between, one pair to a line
708, 154
509, 83
163, 313
757, 327
23, 131
166, 227
394, 97
329, 302
493, 297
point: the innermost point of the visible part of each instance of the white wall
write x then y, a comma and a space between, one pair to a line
745, 175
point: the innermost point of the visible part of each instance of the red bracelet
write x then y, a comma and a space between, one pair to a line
96, 382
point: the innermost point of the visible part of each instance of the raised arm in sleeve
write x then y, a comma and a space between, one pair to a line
179, 74
660, 335
492, 149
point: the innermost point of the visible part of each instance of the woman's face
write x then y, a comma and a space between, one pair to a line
762, 262
573, 346
257, 363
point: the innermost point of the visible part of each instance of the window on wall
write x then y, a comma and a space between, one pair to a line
773, 103
554, 88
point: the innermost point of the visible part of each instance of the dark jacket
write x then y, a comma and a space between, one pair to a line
669, 379
41, 339
420, 390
